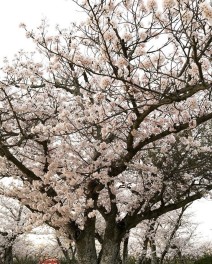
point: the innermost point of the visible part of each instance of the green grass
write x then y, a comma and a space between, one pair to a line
207, 259
25, 261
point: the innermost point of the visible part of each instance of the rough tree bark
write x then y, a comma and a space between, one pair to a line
8, 255
85, 243
113, 236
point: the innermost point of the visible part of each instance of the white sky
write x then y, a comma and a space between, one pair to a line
30, 12
203, 215
62, 12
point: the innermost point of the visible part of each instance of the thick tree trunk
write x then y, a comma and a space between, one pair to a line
85, 244
8, 255
111, 252
86, 251
111, 244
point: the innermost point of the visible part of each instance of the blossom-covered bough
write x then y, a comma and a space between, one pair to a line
114, 119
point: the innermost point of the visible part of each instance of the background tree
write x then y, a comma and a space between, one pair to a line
93, 125
165, 238
67, 248
13, 221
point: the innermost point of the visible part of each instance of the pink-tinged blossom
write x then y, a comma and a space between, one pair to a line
187, 16
152, 4
205, 64
207, 11
193, 103
169, 3
192, 123
121, 62
140, 51
109, 35
105, 82
171, 139
92, 214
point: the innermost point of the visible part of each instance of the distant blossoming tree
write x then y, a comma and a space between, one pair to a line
13, 224
112, 120
171, 234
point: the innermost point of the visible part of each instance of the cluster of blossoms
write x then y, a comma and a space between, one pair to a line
169, 3
207, 11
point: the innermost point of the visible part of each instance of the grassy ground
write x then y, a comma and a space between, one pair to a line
207, 259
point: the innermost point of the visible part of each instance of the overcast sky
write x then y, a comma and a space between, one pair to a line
14, 12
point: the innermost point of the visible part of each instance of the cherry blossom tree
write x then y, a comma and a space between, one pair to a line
110, 118
13, 221
171, 235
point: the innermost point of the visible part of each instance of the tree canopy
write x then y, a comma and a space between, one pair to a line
113, 117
